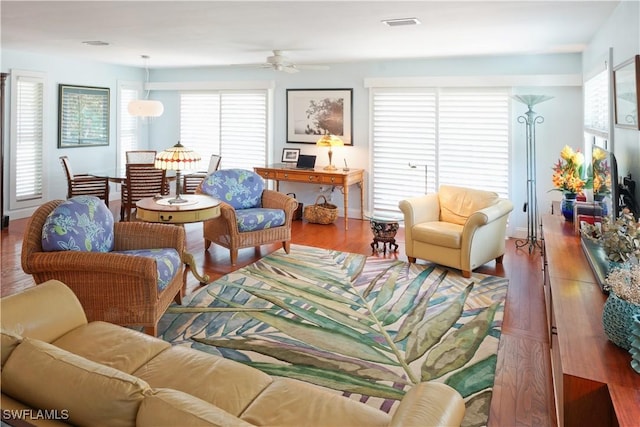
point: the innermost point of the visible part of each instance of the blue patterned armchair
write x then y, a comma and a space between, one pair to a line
125, 273
251, 215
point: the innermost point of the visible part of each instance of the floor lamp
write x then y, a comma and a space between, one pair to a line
530, 119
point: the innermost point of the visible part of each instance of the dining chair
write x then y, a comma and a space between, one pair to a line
142, 180
84, 184
191, 181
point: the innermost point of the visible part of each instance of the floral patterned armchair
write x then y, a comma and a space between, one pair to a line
125, 273
251, 215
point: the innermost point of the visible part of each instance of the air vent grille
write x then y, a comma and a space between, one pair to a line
401, 22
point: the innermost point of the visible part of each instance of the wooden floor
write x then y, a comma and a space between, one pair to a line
523, 392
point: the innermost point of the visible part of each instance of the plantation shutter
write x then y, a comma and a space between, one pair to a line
473, 139
231, 124
404, 132
596, 104
128, 132
200, 124
28, 140
461, 137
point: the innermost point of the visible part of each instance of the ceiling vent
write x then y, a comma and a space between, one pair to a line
401, 22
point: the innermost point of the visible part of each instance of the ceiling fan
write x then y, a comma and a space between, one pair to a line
279, 62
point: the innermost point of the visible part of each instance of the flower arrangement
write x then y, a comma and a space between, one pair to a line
569, 171
620, 238
601, 172
625, 283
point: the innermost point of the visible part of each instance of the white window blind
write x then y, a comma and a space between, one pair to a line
231, 124
596, 104
128, 131
423, 138
27, 138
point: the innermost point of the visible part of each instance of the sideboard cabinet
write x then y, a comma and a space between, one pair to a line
593, 380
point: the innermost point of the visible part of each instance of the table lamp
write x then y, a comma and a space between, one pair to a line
177, 158
330, 141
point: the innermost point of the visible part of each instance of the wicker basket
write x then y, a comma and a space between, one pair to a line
321, 213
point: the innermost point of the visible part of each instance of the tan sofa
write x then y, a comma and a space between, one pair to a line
457, 227
99, 374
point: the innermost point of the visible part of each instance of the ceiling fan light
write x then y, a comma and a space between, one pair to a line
145, 108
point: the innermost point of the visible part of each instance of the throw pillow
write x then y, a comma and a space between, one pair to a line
82, 223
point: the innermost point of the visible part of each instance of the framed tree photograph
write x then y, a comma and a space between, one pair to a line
83, 116
626, 86
290, 155
312, 113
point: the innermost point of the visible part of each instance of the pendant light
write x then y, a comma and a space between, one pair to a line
145, 107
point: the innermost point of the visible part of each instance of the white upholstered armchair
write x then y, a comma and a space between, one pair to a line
457, 227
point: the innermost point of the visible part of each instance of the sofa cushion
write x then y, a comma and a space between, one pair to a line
259, 219
8, 342
289, 402
438, 233
458, 203
170, 408
47, 377
121, 348
224, 383
168, 262
82, 223
242, 189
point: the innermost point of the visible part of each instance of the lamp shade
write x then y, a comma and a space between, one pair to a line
329, 141
177, 158
145, 108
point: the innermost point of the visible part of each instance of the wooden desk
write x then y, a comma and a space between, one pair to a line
198, 208
319, 176
593, 379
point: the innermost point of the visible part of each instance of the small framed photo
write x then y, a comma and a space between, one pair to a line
290, 155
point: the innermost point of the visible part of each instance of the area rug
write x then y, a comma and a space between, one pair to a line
365, 327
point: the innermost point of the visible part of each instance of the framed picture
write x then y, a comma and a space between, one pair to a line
312, 113
83, 116
290, 155
626, 83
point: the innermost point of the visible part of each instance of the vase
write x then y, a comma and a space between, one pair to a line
617, 320
599, 199
566, 207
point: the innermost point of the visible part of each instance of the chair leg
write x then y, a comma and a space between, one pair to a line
466, 274
499, 259
287, 246
207, 243
234, 256
151, 330
412, 259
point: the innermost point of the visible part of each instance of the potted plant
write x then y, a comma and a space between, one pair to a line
622, 305
568, 177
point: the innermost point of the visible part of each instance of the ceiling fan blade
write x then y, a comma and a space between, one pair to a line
290, 69
311, 67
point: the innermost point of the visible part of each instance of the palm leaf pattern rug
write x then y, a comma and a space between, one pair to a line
366, 327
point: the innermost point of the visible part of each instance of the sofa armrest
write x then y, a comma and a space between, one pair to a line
420, 209
44, 312
490, 213
429, 404
145, 235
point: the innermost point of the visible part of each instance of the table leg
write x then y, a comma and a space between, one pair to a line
361, 185
346, 206
190, 261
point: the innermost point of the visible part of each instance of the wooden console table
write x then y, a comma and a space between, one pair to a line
593, 379
197, 208
319, 176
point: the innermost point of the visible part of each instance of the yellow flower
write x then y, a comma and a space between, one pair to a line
567, 153
568, 172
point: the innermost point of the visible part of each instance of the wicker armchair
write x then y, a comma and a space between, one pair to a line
236, 228
112, 287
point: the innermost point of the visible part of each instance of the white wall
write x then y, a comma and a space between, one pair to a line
563, 114
622, 33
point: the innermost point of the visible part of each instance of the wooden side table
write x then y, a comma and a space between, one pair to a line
197, 208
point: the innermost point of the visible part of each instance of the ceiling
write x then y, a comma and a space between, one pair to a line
220, 33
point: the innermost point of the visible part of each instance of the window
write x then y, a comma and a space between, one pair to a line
128, 125
27, 139
232, 124
596, 104
430, 137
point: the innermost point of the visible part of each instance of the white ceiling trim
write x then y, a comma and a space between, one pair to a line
476, 81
